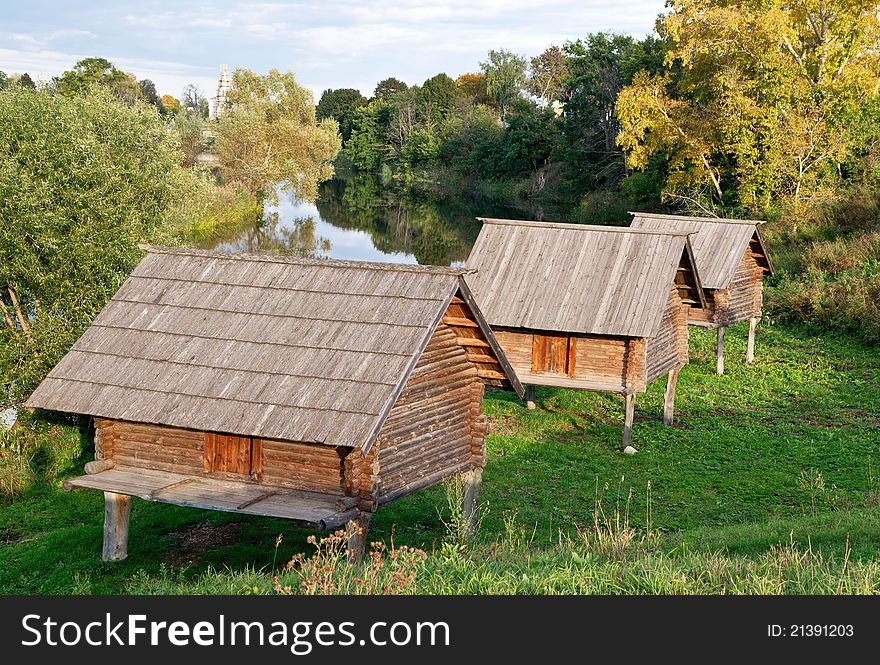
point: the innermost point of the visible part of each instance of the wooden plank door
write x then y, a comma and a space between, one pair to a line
227, 453
554, 354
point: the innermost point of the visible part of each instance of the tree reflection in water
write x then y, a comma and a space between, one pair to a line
356, 217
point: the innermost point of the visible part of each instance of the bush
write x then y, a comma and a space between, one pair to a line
38, 450
83, 180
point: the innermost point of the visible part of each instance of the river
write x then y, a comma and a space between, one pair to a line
355, 218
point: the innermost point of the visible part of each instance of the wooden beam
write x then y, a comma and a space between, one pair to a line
719, 351
669, 397
750, 347
356, 531
460, 322
117, 511
482, 358
630, 409
470, 505
489, 374
530, 397
99, 465
473, 341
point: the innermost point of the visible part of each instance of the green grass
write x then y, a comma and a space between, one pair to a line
781, 454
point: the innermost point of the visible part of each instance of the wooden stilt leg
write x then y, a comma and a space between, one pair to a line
356, 530
719, 351
750, 347
472, 480
117, 511
630, 399
669, 397
530, 397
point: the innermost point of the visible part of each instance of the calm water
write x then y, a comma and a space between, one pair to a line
356, 219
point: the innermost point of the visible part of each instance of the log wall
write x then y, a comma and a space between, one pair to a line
436, 428
742, 300
745, 295
668, 349
303, 466
612, 362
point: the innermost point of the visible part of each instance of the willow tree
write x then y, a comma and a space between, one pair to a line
270, 135
760, 99
83, 180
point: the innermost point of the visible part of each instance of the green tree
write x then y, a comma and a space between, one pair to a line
548, 75
83, 179
437, 97
367, 146
191, 128
387, 88
505, 75
25, 81
148, 92
340, 104
271, 135
4, 80
764, 104
100, 71
599, 67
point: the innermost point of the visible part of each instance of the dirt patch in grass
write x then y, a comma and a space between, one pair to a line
504, 425
201, 538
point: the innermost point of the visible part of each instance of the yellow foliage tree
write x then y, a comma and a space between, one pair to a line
760, 97
270, 135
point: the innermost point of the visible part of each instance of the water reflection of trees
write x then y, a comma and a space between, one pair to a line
435, 233
297, 237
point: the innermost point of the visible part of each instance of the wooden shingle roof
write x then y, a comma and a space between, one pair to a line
276, 347
577, 278
719, 244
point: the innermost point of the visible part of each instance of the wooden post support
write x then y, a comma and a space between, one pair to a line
117, 510
530, 397
750, 347
669, 397
630, 399
356, 530
472, 480
719, 351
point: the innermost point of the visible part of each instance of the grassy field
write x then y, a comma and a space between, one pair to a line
769, 482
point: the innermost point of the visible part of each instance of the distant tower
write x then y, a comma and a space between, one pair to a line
218, 102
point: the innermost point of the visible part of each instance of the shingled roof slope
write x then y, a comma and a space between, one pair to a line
718, 244
284, 348
575, 278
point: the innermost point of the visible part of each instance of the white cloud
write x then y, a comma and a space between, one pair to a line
330, 43
169, 77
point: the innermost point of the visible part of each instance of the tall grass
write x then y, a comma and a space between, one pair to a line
36, 451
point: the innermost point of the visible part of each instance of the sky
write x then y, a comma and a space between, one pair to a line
328, 44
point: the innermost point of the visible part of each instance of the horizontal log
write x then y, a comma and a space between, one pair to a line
473, 341
412, 465
433, 479
460, 322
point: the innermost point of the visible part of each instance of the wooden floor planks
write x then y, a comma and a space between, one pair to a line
327, 511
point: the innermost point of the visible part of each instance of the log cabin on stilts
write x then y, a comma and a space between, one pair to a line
314, 390
595, 308
732, 260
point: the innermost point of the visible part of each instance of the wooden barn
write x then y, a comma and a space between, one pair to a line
314, 390
732, 260
588, 307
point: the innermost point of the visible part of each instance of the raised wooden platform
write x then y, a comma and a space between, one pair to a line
565, 381
326, 511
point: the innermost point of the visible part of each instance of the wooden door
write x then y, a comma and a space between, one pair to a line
553, 354
226, 453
